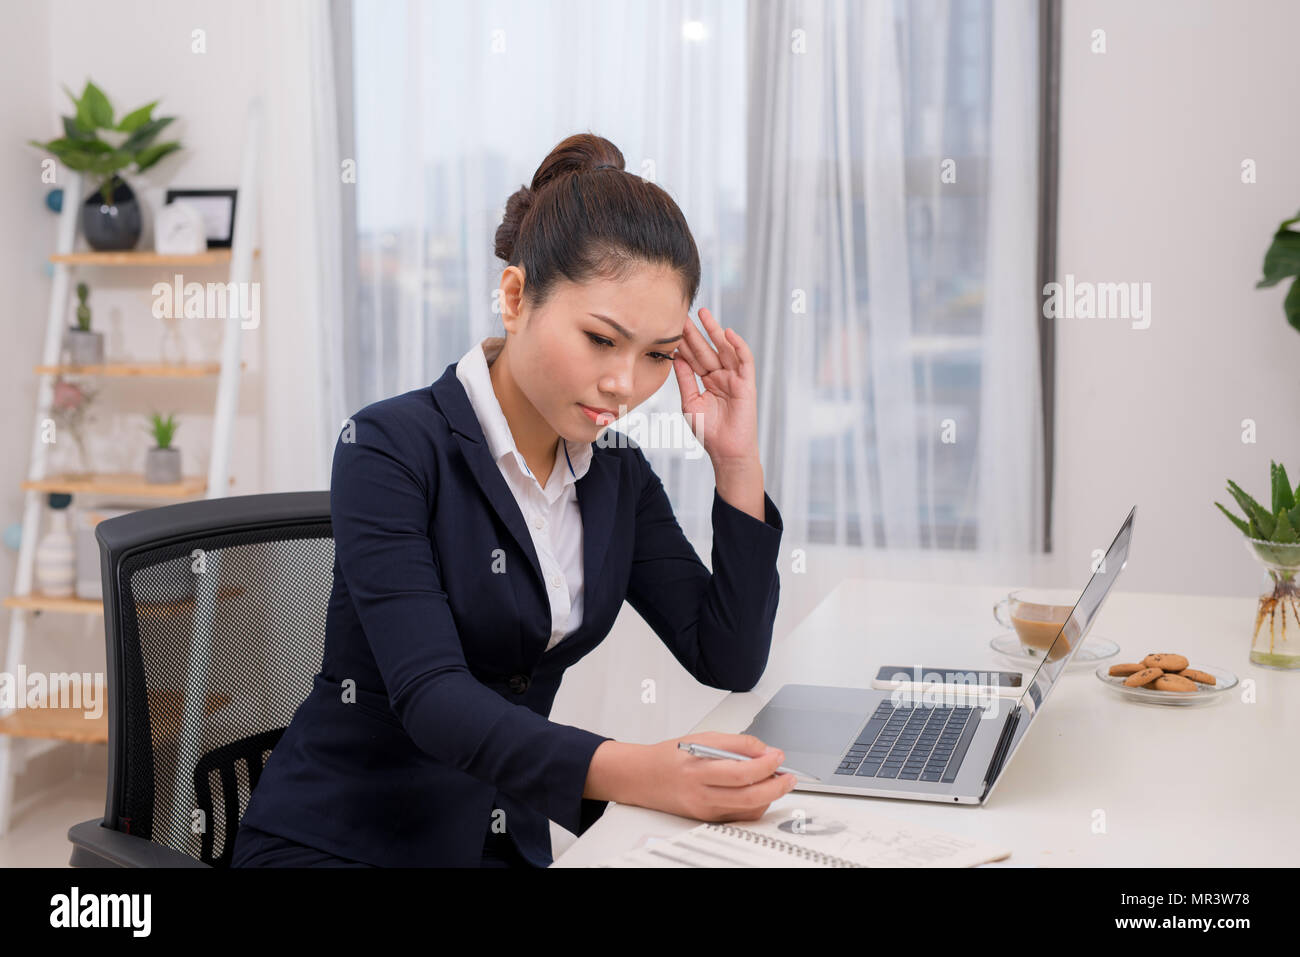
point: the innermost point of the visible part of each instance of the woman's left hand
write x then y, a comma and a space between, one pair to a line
724, 417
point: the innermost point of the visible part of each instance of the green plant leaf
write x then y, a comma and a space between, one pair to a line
1294, 515
163, 429
75, 156
1285, 532
1291, 305
79, 162
64, 145
147, 157
1260, 516
1282, 260
110, 162
1283, 257
74, 132
1245, 529
1279, 254
85, 119
1282, 497
141, 138
1281, 554
98, 107
137, 118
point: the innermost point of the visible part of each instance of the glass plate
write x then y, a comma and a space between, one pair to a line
1095, 648
1225, 679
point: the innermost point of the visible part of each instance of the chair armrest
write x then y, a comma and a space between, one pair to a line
94, 845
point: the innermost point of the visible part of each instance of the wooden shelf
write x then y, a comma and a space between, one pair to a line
120, 483
161, 609
71, 724
94, 606
144, 257
66, 724
150, 370
71, 605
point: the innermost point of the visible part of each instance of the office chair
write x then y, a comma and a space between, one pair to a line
214, 624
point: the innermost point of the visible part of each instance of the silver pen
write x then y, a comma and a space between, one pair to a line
704, 751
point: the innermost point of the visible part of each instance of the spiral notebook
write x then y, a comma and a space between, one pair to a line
801, 830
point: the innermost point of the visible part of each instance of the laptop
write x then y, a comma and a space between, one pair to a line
933, 745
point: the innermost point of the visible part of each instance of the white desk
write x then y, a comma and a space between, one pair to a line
1098, 780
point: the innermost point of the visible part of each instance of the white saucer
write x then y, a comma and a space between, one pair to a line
1095, 649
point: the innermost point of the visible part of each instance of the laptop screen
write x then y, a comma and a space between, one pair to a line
1075, 628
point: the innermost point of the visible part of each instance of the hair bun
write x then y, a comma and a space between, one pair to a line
507, 233
566, 227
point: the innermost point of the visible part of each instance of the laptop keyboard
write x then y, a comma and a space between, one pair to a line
912, 742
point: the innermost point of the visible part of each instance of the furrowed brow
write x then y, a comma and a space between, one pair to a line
628, 335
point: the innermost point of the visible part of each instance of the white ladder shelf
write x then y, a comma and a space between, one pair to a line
28, 732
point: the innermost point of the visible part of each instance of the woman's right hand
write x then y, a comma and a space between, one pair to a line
711, 789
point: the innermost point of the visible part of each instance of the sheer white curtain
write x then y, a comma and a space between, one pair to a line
455, 107
302, 243
892, 224
1011, 450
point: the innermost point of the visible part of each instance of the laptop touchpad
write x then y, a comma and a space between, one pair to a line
800, 729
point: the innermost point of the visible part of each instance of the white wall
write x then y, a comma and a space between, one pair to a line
1153, 135
25, 238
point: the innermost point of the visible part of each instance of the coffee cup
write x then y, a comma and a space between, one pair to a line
1037, 618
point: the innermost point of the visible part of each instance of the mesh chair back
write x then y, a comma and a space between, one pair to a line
215, 626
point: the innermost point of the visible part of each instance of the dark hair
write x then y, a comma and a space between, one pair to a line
584, 217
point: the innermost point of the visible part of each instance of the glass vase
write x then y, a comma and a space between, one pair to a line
1273, 645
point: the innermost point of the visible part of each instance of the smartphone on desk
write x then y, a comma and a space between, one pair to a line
920, 678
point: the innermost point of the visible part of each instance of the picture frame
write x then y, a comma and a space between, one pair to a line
217, 207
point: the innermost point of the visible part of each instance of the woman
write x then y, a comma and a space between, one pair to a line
487, 531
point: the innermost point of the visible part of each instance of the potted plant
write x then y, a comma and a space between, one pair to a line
85, 347
69, 411
162, 464
110, 216
1282, 261
1272, 538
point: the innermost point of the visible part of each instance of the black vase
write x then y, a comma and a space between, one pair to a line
112, 227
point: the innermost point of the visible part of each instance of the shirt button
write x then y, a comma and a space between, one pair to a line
538, 522
555, 580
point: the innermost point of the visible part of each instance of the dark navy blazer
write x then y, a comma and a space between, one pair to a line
439, 619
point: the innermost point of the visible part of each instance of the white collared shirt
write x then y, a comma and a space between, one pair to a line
552, 512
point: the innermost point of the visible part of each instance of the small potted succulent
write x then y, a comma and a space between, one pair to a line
85, 347
162, 464
1273, 538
